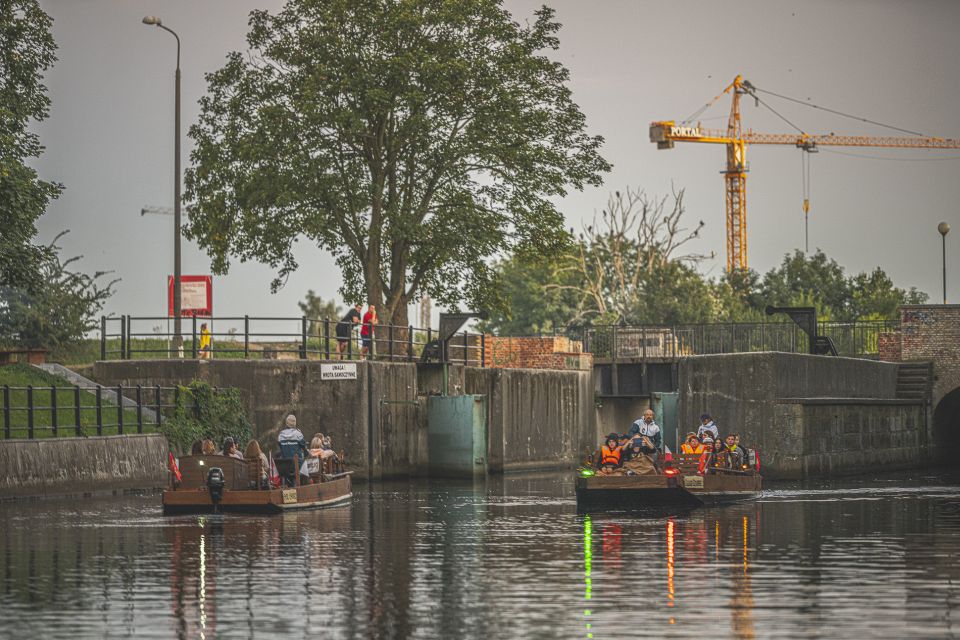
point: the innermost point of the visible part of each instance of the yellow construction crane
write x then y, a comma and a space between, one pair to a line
667, 132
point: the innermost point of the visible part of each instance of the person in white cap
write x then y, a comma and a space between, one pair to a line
291, 439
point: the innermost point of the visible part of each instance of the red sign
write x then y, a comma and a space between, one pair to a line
196, 296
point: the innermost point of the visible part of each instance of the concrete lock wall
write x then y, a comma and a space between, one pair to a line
67, 466
800, 410
846, 436
377, 418
535, 418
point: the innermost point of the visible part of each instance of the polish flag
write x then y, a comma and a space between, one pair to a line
274, 475
174, 468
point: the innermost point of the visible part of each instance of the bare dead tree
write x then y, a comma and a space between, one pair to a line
616, 255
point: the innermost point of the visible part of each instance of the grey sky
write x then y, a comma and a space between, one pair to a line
109, 137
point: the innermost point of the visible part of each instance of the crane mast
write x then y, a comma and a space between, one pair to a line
665, 133
735, 179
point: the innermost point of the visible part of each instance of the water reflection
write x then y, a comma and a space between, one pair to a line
505, 557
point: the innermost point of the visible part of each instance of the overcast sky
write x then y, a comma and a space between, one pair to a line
109, 138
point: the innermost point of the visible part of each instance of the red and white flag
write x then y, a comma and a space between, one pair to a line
274, 475
174, 468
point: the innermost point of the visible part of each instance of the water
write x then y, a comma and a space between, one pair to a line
508, 558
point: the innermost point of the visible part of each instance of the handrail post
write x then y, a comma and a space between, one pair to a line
6, 411
193, 329
643, 342
296, 471
103, 337
99, 410
123, 337
466, 346
54, 422
483, 350
390, 342
157, 403
119, 410
139, 409
30, 411
246, 337
303, 337
410, 343
349, 345
326, 338
77, 415
129, 336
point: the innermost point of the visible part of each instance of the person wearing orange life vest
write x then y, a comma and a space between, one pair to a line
611, 454
691, 444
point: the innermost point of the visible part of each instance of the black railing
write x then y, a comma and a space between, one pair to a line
40, 412
245, 337
650, 342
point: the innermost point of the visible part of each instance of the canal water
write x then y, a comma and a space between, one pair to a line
508, 557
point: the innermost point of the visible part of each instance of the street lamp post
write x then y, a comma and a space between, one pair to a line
944, 229
177, 334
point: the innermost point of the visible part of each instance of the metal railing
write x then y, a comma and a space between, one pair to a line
644, 342
37, 412
243, 337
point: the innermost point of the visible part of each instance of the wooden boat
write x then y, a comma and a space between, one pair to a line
678, 485
224, 484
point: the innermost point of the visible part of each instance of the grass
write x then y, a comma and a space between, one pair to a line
23, 375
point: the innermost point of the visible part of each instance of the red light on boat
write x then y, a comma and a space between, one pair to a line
671, 472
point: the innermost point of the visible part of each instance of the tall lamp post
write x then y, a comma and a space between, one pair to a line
177, 334
944, 229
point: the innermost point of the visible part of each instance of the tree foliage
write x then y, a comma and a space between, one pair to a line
205, 412
413, 139
629, 259
27, 50
315, 308
59, 310
628, 266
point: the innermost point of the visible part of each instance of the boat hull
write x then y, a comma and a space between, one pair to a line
332, 492
632, 493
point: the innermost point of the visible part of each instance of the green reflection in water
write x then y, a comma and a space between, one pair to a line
587, 568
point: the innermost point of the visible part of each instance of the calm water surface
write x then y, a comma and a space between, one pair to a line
505, 558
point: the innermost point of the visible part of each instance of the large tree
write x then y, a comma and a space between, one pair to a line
27, 50
413, 139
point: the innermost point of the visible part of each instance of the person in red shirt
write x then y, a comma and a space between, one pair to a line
366, 331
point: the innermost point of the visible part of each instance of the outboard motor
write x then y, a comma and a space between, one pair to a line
215, 484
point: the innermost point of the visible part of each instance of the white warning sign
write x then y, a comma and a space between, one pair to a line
339, 371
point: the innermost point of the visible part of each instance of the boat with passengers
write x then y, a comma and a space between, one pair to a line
218, 483
676, 481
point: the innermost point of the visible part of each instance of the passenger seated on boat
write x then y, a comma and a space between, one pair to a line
639, 462
716, 459
611, 454
208, 448
196, 449
230, 449
735, 456
291, 439
707, 426
645, 426
707, 453
320, 447
253, 454
691, 444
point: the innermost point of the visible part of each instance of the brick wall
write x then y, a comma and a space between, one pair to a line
932, 332
890, 346
547, 352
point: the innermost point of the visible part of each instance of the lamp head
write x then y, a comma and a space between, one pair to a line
943, 228
152, 20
